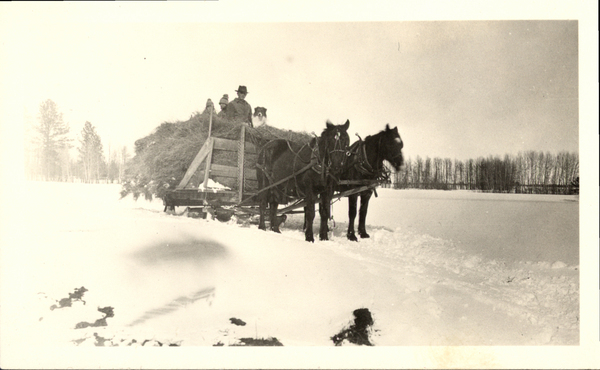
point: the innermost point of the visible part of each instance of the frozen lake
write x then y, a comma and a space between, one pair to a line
508, 227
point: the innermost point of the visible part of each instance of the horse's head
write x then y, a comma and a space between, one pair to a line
333, 145
391, 147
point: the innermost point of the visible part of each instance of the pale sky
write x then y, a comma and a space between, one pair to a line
456, 89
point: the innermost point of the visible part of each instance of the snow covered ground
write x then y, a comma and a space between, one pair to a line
440, 269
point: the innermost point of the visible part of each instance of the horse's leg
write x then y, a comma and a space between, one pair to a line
304, 226
362, 217
273, 216
309, 216
264, 196
352, 200
325, 213
261, 213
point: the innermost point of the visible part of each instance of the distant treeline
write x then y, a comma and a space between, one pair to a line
527, 172
48, 151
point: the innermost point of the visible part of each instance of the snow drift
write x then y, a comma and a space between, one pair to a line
177, 281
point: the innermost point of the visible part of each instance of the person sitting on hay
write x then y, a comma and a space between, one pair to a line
210, 106
239, 110
223, 104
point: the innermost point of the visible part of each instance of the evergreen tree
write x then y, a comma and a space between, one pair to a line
90, 153
51, 140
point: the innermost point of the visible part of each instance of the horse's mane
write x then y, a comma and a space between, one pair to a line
328, 128
374, 136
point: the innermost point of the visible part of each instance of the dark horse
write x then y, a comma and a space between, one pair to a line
365, 162
303, 172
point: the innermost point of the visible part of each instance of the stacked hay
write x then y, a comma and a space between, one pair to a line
162, 158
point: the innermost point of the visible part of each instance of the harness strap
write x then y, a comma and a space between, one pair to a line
316, 163
305, 168
363, 166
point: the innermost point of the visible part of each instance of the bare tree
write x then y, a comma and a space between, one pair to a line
418, 172
459, 173
438, 171
449, 178
530, 172
427, 172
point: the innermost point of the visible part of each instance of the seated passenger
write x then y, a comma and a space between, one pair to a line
223, 104
239, 110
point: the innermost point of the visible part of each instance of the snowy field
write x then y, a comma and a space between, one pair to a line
440, 269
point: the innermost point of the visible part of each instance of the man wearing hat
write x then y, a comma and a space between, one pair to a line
239, 110
223, 103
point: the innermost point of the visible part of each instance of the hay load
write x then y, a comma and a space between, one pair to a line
162, 158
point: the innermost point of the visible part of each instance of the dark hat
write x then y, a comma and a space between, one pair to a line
242, 89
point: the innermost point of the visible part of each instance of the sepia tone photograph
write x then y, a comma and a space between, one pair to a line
360, 189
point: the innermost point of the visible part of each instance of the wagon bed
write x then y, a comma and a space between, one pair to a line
239, 178
236, 182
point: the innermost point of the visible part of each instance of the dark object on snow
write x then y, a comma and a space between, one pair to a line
78, 341
357, 333
237, 322
77, 295
100, 340
97, 323
269, 342
302, 172
107, 311
153, 342
364, 167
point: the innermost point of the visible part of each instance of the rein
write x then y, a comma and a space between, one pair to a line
316, 163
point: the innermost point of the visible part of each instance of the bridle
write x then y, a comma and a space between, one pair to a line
338, 148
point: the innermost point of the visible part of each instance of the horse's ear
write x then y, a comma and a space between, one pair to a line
313, 142
329, 124
387, 126
346, 125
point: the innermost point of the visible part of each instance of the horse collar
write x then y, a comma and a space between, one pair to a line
362, 165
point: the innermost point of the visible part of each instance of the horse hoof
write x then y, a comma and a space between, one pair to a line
323, 237
310, 239
352, 237
364, 235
